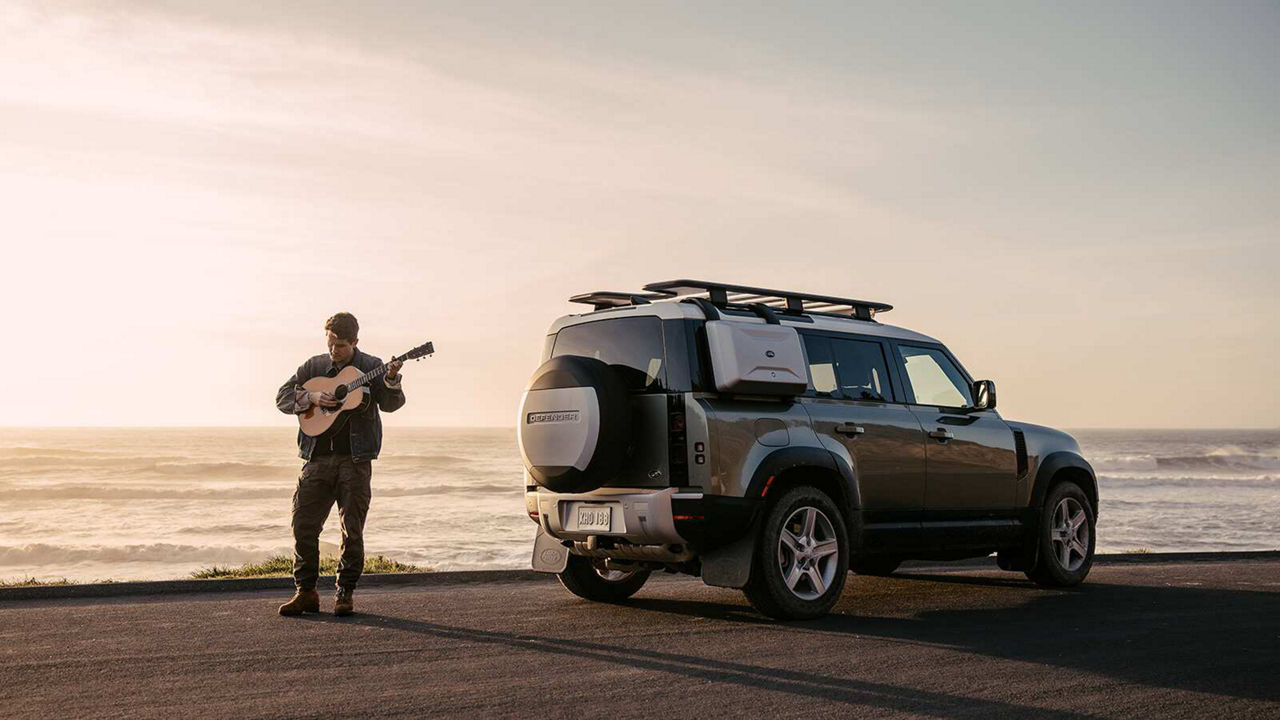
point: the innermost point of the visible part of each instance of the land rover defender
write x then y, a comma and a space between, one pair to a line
773, 441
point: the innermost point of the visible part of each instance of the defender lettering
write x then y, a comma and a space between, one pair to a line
554, 416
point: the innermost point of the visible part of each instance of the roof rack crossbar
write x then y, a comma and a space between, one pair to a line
607, 299
722, 295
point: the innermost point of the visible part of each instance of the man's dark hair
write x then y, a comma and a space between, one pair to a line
343, 325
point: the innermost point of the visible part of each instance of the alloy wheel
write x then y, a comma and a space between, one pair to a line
808, 553
1069, 534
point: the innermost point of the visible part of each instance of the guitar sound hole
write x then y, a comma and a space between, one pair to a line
340, 392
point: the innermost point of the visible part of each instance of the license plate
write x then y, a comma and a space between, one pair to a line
593, 517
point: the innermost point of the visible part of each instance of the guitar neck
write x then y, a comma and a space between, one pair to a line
365, 378
368, 377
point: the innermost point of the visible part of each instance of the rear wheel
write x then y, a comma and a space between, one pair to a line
801, 558
589, 578
1065, 538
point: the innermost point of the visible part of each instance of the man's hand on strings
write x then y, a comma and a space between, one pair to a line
323, 399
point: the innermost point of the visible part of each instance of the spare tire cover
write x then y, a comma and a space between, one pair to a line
575, 424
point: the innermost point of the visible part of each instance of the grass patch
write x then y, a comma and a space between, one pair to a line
32, 582
282, 566
1138, 551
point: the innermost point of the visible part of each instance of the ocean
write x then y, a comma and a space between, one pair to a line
135, 503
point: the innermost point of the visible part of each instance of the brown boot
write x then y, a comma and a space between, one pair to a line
344, 604
303, 601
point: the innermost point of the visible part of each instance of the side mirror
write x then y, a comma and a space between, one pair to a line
984, 395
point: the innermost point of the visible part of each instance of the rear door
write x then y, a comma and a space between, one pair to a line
862, 417
634, 348
972, 463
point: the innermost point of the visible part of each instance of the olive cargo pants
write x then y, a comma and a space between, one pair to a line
324, 480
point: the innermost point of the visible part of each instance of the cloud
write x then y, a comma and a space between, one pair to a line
188, 184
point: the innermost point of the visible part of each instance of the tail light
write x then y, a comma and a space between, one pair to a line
677, 441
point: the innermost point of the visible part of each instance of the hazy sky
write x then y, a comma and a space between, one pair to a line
1082, 200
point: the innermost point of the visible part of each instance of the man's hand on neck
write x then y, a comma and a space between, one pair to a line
393, 370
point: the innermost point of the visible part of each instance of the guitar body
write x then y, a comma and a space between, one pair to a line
350, 388
317, 420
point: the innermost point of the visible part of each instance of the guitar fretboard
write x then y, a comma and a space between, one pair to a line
368, 377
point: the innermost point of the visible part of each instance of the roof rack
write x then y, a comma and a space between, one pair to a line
605, 299
722, 295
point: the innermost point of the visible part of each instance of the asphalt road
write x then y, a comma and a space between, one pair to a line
1191, 640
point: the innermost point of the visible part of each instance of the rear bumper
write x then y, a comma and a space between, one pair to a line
641, 517
663, 516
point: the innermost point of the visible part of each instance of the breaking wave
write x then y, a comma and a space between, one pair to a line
178, 467
169, 467
38, 452
1225, 459
1191, 481
41, 553
435, 460
116, 492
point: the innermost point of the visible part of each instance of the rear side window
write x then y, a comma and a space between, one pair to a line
862, 370
822, 366
632, 346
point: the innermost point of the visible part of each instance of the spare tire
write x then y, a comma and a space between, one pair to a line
575, 424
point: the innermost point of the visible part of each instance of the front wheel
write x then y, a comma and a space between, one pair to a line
801, 558
589, 578
1065, 538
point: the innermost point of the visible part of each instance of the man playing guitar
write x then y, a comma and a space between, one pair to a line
338, 463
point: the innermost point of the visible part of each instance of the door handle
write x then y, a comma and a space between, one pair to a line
850, 429
942, 435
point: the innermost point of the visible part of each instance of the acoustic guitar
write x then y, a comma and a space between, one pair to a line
350, 388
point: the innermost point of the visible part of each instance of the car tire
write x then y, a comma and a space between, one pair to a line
799, 575
875, 566
588, 578
1065, 538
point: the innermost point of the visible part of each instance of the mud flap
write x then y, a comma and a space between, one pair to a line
549, 555
730, 565
1023, 558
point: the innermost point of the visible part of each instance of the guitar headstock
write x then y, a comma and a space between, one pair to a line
419, 352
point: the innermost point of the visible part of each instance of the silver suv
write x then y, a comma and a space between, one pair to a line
773, 441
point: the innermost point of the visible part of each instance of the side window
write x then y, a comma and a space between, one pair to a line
862, 370
934, 379
822, 368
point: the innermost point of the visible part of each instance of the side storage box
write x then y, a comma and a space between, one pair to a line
756, 359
